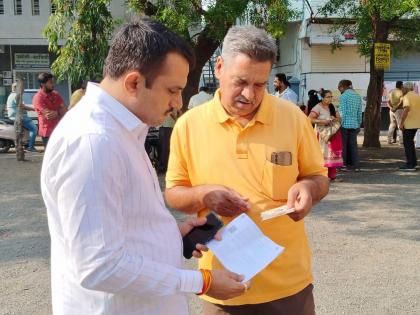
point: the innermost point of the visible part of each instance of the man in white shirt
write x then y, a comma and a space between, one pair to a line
283, 90
115, 248
200, 98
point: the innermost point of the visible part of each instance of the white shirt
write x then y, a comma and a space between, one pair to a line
115, 248
199, 99
288, 94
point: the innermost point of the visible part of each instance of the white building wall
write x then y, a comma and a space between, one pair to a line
26, 29
329, 81
344, 59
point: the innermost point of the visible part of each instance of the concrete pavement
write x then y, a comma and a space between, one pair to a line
365, 238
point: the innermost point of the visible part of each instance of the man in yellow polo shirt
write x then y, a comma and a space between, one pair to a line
410, 122
248, 151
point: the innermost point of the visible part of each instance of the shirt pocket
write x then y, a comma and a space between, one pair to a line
277, 179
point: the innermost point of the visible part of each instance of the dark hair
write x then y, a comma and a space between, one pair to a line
282, 78
203, 88
142, 45
313, 100
44, 77
325, 92
331, 107
399, 84
345, 84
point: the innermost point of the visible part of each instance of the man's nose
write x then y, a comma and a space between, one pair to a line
248, 93
177, 102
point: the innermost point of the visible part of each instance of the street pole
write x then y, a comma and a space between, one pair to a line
20, 152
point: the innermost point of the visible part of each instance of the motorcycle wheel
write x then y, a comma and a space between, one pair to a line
4, 146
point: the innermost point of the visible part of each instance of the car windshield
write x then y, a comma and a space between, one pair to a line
27, 97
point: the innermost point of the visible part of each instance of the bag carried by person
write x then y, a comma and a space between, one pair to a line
326, 132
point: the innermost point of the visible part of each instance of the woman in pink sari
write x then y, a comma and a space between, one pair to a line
327, 127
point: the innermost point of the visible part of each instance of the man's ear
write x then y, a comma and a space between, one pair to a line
134, 82
219, 66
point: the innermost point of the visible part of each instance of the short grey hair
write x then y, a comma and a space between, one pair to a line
408, 86
251, 41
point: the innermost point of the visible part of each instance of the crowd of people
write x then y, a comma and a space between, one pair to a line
337, 127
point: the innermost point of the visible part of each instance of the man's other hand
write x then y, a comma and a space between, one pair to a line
225, 201
305, 193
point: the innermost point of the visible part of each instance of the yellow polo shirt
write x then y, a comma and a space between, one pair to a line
412, 101
395, 98
210, 147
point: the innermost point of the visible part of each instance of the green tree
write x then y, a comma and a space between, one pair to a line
376, 21
86, 26
204, 23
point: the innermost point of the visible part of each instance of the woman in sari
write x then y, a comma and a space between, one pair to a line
327, 126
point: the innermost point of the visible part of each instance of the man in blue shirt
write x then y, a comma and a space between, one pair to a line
27, 121
350, 109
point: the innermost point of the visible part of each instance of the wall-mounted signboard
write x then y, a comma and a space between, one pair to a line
31, 60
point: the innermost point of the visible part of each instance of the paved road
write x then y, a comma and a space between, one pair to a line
365, 239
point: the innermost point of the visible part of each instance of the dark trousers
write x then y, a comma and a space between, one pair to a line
350, 152
409, 148
302, 303
164, 142
45, 141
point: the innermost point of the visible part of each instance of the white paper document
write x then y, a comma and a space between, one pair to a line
276, 212
244, 249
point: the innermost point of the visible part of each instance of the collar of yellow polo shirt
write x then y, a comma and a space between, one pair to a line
209, 147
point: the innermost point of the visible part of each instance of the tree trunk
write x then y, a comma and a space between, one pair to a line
203, 50
372, 116
20, 152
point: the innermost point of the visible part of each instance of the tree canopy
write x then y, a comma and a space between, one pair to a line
86, 26
204, 23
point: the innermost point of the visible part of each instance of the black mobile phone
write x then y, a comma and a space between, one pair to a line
201, 234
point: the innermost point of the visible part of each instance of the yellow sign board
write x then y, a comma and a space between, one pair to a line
382, 56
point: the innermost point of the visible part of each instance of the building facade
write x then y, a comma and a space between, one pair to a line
23, 49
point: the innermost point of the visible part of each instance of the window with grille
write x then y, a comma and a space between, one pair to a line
18, 7
1, 7
35, 7
53, 7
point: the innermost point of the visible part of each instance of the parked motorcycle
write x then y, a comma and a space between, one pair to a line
8, 135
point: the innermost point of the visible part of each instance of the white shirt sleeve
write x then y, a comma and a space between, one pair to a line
90, 191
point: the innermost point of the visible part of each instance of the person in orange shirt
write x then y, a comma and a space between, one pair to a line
248, 151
